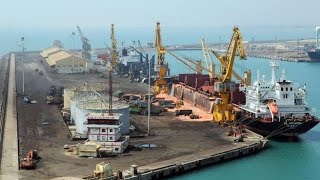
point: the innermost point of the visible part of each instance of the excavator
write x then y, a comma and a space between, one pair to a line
160, 85
223, 109
30, 161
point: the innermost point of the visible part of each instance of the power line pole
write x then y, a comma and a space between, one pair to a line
22, 45
149, 93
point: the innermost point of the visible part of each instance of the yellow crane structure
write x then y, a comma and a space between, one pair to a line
246, 80
114, 55
223, 109
198, 64
160, 85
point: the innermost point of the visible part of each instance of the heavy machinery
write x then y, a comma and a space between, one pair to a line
30, 161
86, 46
160, 85
223, 109
114, 55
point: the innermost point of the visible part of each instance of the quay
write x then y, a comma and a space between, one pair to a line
183, 164
9, 156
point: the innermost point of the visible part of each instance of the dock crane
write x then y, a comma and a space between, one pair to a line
198, 64
246, 81
209, 62
223, 109
160, 85
86, 46
113, 48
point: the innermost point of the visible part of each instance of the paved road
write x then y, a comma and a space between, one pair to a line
9, 162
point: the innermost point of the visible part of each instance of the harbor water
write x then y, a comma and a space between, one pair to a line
296, 159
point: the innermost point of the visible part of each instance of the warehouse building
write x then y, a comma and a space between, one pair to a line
63, 61
49, 51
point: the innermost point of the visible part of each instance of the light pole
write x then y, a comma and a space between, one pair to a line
149, 93
22, 45
73, 33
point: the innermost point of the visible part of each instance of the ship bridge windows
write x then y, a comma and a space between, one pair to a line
290, 88
281, 88
286, 88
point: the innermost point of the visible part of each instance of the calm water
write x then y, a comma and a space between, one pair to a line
283, 160
297, 160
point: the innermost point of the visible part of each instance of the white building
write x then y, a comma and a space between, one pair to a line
88, 102
105, 130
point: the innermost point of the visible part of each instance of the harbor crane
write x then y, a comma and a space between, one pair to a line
114, 55
86, 46
160, 85
187, 62
209, 62
223, 109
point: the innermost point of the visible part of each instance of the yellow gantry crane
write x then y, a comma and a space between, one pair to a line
223, 109
113, 48
160, 85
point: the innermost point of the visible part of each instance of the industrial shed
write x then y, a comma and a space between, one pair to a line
89, 102
65, 62
51, 50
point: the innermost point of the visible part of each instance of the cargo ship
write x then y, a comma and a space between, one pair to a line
277, 107
270, 108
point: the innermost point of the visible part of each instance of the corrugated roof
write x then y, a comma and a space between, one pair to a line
46, 52
100, 86
90, 100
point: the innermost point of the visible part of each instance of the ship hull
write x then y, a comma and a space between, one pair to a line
280, 129
314, 56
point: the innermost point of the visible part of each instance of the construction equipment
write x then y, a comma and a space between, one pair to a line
223, 109
30, 161
113, 48
160, 85
86, 46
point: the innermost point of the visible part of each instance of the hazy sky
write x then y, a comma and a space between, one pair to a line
145, 13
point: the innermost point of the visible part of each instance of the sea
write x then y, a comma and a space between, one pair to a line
288, 159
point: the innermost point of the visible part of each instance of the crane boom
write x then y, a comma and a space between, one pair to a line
160, 85
86, 46
235, 42
185, 63
113, 48
235, 74
206, 53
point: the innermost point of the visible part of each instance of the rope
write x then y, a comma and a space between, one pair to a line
277, 131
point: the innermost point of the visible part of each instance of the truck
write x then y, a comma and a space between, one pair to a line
186, 112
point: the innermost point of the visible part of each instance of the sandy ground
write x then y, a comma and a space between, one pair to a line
41, 127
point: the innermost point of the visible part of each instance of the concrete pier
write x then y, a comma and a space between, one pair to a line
9, 157
183, 164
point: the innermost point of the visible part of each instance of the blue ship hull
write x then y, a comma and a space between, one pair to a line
314, 56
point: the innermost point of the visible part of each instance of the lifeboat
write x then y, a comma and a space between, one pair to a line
273, 107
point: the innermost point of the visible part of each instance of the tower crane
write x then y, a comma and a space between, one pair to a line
113, 48
160, 85
86, 46
223, 109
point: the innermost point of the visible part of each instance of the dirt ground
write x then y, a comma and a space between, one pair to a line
41, 127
